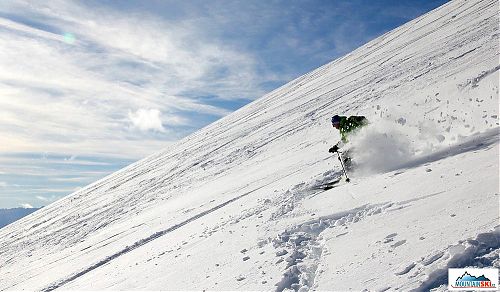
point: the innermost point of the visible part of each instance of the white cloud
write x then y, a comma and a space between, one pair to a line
43, 190
70, 179
42, 198
71, 158
26, 206
3, 184
47, 199
146, 120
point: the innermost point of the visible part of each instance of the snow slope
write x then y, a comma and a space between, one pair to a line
234, 205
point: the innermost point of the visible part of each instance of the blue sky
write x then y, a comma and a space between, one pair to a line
88, 87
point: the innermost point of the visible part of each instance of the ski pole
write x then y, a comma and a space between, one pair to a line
343, 168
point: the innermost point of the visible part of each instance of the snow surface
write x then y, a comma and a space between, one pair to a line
234, 205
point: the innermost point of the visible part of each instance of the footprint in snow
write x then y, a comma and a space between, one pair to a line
281, 253
399, 243
390, 237
406, 270
431, 259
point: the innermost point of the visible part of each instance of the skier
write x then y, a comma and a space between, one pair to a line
346, 126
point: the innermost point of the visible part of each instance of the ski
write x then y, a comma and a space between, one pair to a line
329, 185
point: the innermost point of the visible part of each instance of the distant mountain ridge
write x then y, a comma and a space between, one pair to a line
8, 216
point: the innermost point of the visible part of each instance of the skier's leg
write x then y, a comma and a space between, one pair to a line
346, 157
348, 163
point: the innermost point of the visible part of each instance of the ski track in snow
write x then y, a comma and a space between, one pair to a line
243, 192
136, 245
142, 242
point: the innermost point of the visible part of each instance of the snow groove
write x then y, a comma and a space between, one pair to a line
304, 245
138, 244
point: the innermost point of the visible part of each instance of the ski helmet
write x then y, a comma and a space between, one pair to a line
335, 119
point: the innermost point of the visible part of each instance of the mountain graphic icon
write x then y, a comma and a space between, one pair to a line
468, 277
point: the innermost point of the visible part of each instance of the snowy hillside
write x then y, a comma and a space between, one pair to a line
234, 205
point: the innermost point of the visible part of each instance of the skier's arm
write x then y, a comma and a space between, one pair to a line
336, 147
333, 149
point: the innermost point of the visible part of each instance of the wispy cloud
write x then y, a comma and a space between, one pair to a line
47, 199
26, 206
116, 64
78, 179
49, 176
